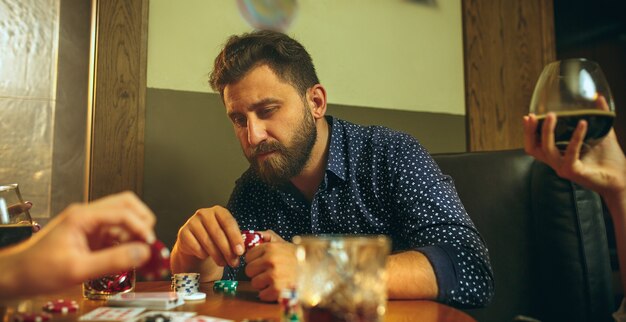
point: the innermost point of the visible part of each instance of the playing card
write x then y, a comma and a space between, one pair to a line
112, 314
204, 318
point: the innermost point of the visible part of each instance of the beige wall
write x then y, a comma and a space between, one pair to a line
392, 54
395, 63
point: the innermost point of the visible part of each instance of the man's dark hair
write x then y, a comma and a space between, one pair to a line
284, 55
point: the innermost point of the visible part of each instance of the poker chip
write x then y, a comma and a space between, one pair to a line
157, 267
251, 238
225, 286
31, 317
197, 296
113, 283
61, 306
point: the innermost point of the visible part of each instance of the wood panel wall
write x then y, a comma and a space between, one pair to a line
117, 115
506, 45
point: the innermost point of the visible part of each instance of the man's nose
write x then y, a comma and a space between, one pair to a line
256, 132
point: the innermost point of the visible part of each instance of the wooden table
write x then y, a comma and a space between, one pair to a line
243, 305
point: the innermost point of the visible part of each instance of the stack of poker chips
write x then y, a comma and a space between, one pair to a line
225, 286
187, 285
289, 305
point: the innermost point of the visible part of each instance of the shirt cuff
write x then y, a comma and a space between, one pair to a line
441, 259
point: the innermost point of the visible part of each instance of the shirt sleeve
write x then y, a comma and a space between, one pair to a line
432, 220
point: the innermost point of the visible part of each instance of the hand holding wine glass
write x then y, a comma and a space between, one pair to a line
574, 90
573, 129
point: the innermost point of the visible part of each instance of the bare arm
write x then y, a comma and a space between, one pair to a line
411, 268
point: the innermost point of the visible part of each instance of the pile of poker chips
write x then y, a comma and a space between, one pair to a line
187, 285
251, 238
114, 283
61, 306
289, 305
31, 317
157, 267
225, 286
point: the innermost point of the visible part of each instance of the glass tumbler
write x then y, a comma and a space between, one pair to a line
16, 224
342, 277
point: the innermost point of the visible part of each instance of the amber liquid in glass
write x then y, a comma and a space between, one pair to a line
599, 124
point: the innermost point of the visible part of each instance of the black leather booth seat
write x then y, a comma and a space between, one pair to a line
546, 237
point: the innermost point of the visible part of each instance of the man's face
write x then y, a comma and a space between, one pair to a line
273, 124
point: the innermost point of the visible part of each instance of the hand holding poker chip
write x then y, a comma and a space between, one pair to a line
251, 238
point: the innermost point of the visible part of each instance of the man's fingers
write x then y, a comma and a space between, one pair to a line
269, 236
130, 201
260, 281
231, 230
203, 237
127, 256
602, 104
188, 244
547, 137
19, 208
572, 153
93, 218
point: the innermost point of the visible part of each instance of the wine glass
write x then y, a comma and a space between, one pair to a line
574, 89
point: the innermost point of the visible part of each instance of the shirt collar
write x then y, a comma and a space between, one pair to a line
337, 162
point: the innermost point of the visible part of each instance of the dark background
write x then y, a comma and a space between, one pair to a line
596, 30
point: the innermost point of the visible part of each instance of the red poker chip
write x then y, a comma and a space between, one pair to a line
61, 306
157, 267
251, 238
31, 317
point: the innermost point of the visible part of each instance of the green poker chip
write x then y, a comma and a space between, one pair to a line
225, 286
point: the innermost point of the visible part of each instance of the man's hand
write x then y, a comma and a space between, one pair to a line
602, 167
271, 266
69, 249
211, 232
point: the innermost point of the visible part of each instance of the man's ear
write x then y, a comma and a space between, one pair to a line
316, 98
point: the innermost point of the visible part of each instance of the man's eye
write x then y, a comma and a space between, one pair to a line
266, 111
239, 121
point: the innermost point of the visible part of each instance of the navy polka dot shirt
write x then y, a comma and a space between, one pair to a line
378, 181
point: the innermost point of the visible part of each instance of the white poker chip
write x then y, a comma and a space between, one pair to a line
195, 296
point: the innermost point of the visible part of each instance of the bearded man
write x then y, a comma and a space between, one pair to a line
314, 174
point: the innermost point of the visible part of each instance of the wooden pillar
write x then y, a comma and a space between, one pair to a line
118, 91
506, 45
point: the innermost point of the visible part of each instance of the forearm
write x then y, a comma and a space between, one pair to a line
411, 276
182, 263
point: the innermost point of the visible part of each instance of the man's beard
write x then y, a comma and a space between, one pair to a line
286, 162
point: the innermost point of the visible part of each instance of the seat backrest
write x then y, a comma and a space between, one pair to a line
546, 237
